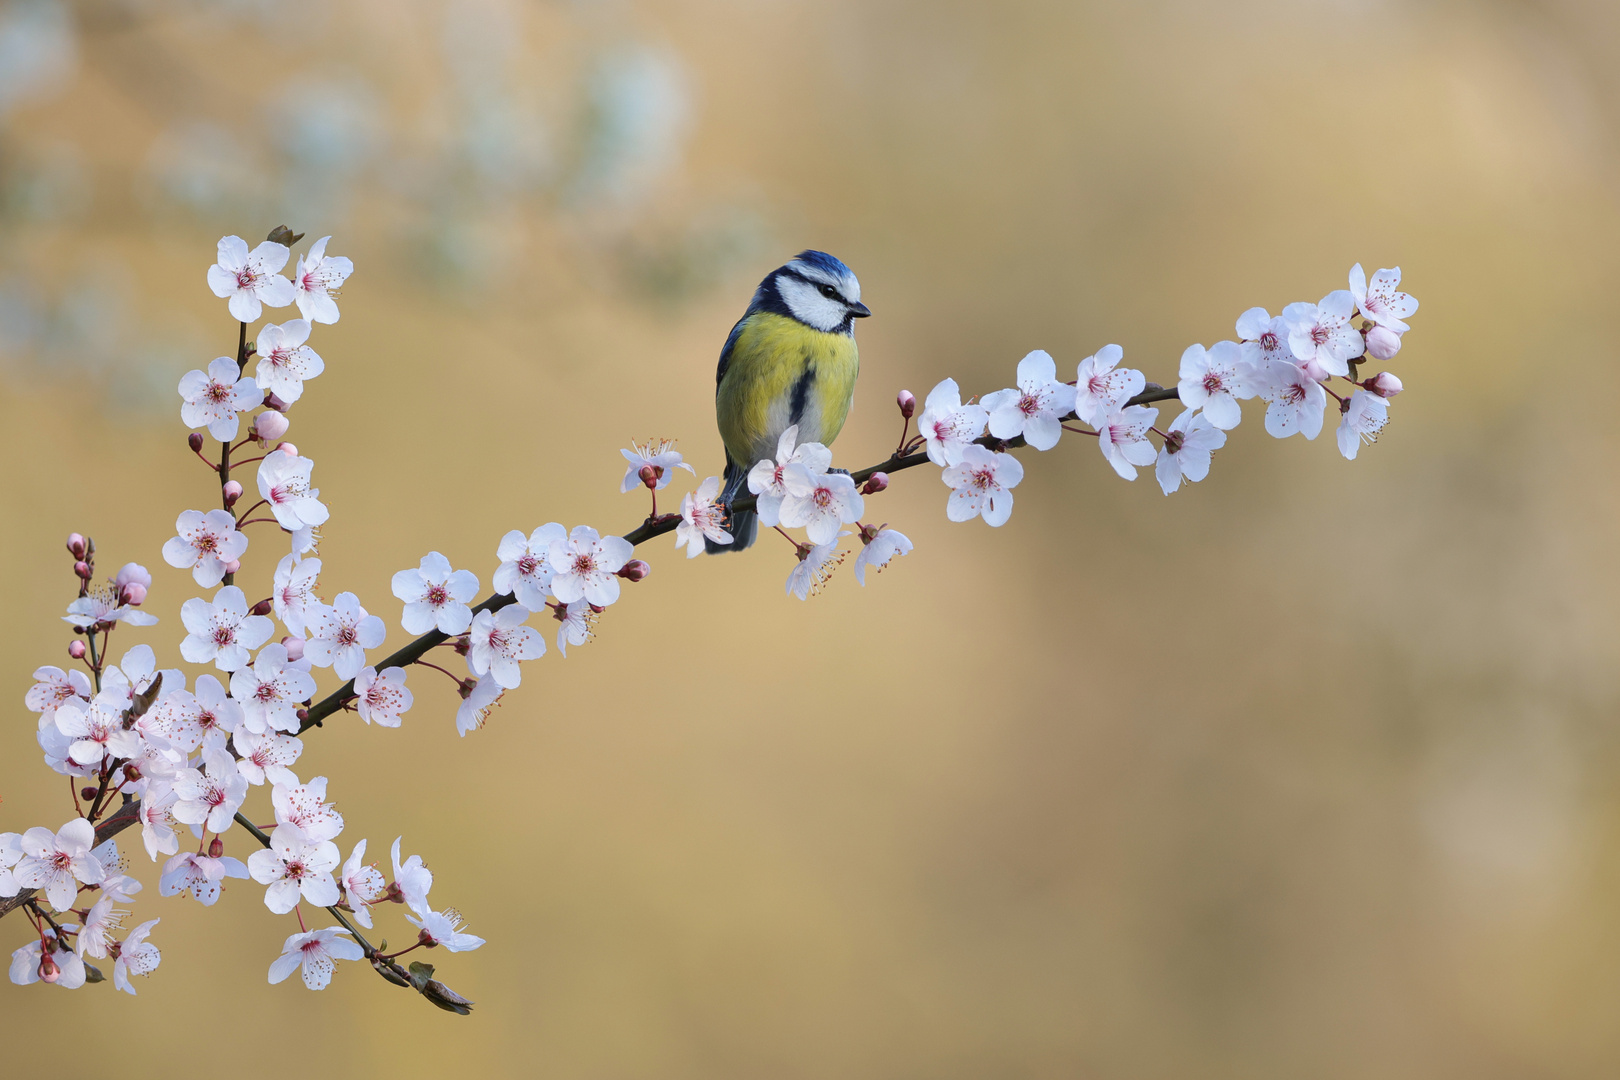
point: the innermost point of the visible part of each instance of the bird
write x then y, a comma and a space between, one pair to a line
791, 359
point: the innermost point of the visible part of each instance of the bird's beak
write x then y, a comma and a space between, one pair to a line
859, 310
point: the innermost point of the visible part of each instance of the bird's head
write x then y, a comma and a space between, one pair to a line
819, 291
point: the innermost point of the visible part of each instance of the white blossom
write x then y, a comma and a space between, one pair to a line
1294, 401
819, 504
381, 697
475, 706
1214, 380
96, 933
660, 455
498, 640
200, 875
284, 483
1264, 340
443, 928
586, 566
314, 952
1382, 302
206, 542
947, 425
1185, 453
285, 361
575, 623
136, 956
815, 568
1361, 422
1036, 408
53, 686
413, 877
1102, 386
295, 869
1122, 437
102, 604
524, 573
294, 591
362, 884
981, 485
271, 691
1320, 335
267, 756
215, 398
701, 518
250, 278
222, 631
209, 799
317, 280
25, 963
97, 729
58, 863
879, 551
768, 479
303, 813
436, 596
339, 635
157, 823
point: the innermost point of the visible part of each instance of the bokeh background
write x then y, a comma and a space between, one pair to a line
1307, 771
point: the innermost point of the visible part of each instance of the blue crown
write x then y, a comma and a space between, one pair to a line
823, 261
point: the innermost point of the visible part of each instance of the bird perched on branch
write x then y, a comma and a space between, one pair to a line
791, 359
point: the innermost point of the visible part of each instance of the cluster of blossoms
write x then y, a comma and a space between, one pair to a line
143, 748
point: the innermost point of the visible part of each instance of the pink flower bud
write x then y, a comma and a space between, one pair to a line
876, 483
48, 971
261, 608
82, 568
269, 426
289, 449
1384, 385
216, 848
907, 402
75, 545
88, 792
649, 476
233, 491
195, 441
294, 647
1383, 343
634, 570
76, 650
133, 594
302, 714
133, 571
234, 566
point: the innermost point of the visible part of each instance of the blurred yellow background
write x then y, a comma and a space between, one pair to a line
1305, 772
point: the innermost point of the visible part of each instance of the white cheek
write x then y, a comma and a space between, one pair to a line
809, 306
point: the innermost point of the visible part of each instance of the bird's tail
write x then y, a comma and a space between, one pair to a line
742, 525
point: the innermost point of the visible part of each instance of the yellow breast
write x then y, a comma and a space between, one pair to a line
783, 372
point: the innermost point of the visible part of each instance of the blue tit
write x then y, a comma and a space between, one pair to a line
791, 359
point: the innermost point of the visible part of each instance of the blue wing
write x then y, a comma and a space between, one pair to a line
725, 352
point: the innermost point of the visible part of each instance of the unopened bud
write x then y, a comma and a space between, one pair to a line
270, 425
133, 594
263, 607
294, 647
232, 491
1383, 343
302, 714
634, 570
48, 971
195, 441
875, 483
133, 572
234, 566
76, 650
1384, 385
87, 792
284, 236
649, 476
907, 402
289, 449
75, 545
216, 848
82, 568
446, 998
